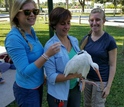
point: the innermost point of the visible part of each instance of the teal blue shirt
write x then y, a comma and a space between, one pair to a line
73, 82
56, 65
27, 74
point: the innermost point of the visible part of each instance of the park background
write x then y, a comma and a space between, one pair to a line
116, 97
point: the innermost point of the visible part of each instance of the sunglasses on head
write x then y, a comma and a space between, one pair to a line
27, 12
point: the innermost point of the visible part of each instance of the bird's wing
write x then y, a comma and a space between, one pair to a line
72, 66
85, 71
84, 65
79, 64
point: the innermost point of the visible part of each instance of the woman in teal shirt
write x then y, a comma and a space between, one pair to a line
62, 90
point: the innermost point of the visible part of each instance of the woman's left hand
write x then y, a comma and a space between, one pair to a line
106, 92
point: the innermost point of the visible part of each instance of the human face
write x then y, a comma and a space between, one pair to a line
26, 20
96, 22
62, 28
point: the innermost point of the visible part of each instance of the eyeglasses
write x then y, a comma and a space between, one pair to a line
28, 12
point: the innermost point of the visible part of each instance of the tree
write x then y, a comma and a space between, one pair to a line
6, 5
10, 6
82, 3
115, 5
66, 4
122, 2
38, 2
1, 2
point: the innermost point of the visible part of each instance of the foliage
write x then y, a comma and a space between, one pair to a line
122, 9
116, 98
110, 6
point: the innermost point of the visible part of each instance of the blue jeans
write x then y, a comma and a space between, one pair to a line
28, 97
53, 102
74, 98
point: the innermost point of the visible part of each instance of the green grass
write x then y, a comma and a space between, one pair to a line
116, 97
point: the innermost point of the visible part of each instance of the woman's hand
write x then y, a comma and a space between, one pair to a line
75, 75
106, 92
53, 49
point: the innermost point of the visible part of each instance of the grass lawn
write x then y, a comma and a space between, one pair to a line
116, 97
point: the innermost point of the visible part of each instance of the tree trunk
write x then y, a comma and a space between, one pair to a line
10, 7
82, 3
6, 5
38, 2
66, 4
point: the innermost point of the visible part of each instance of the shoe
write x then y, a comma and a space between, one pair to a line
2, 80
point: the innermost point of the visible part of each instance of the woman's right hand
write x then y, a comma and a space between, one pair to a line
75, 75
53, 49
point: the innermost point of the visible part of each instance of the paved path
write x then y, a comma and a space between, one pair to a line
111, 21
6, 90
2, 49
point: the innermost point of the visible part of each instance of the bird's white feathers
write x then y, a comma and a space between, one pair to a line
80, 63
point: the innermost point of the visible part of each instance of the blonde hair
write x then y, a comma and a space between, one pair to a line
95, 10
98, 10
17, 5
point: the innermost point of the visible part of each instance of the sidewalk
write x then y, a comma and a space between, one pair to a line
6, 90
2, 49
111, 21
107, 23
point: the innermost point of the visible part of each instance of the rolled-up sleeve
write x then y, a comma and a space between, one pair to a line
50, 67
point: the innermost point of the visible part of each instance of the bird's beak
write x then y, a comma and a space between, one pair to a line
98, 73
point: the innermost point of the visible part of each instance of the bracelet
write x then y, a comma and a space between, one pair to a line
45, 56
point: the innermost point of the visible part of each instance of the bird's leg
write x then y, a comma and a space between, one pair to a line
84, 81
82, 84
98, 73
90, 82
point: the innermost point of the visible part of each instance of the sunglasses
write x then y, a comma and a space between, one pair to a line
28, 12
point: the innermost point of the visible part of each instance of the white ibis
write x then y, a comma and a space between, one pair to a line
80, 64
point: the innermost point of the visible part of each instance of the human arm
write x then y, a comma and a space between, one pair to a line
55, 66
53, 49
112, 70
61, 77
27, 62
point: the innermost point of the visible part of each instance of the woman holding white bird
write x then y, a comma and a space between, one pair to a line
62, 91
103, 50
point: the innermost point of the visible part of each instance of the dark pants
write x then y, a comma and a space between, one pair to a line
53, 102
74, 98
28, 97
